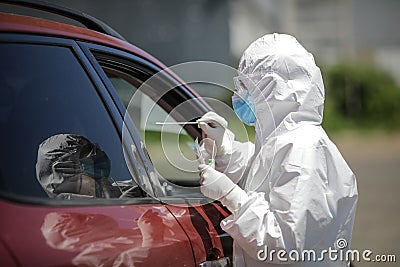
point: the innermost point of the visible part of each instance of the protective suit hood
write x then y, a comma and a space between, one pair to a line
284, 83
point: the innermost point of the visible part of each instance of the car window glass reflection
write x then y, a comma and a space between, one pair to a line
170, 147
98, 238
69, 166
42, 98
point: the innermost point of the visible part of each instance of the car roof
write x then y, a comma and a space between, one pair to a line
31, 25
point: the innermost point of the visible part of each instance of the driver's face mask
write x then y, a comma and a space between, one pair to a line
94, 162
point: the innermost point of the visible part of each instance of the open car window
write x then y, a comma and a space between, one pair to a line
170, 147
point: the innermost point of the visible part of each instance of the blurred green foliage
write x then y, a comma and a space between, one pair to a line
360, 97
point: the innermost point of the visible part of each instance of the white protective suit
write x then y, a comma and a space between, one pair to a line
297, 192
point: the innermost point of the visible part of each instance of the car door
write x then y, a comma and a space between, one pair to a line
148, 95
50, 90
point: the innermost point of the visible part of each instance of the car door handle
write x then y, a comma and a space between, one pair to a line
222, 262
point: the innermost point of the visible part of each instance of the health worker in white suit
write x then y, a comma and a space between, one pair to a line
292, 191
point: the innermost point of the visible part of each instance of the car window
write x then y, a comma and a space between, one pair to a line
55, 127
170, 147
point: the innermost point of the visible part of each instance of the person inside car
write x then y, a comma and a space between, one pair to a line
69, 166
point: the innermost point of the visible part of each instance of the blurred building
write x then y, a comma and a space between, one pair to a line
177, 31
174, 31
333, 30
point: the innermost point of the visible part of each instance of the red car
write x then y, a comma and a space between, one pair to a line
77, 184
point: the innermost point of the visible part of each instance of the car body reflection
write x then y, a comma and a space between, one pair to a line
100, 241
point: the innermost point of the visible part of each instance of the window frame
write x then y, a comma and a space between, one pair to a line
147, 69
110, 109
133, 63
114, 107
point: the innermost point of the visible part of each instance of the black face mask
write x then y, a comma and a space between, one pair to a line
94, 162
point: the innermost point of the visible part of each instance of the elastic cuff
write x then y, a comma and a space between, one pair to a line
234, 199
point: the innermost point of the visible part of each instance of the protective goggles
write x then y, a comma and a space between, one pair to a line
244, 83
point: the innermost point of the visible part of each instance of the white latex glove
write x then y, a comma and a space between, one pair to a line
215, 127
214, 184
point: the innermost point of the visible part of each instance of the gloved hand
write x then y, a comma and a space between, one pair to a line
214, 184
215, 127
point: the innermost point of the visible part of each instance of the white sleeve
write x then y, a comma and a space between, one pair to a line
235, 160
253, 224
293, 216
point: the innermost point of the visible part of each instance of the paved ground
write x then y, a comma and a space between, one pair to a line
375, 159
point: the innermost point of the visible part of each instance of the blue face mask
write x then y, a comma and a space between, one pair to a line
244, 109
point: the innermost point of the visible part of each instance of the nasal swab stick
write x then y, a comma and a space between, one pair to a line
178, 122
